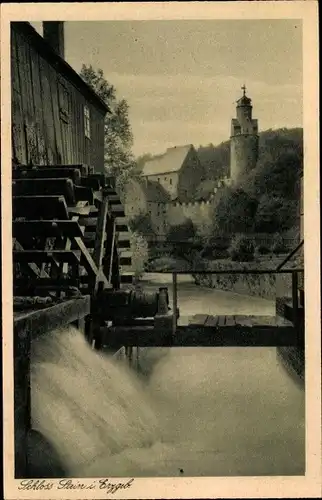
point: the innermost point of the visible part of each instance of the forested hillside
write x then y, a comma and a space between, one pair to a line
279, 160
267, 199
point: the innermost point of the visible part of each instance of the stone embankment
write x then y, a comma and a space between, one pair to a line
259, 285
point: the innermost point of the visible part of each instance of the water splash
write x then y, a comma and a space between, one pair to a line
203, 411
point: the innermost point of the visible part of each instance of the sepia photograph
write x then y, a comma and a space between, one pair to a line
159, 268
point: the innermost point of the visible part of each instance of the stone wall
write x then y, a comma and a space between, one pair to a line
198, 212
251, 284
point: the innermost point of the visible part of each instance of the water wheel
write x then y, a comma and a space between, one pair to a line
70, 235
70, 239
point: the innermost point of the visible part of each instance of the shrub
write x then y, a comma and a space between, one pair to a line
140, 253
263, 249
141, 223
279, 246
181, 232
242, 249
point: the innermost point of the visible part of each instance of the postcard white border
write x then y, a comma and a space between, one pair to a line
240, 487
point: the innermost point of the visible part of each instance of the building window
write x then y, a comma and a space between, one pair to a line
165, 178
170, 181
87, 123
158, 179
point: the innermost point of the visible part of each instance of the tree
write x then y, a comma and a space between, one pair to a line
140, 253
142, 224
275, 214
118, 159
234, 212
181, 232
279, 165
242, 249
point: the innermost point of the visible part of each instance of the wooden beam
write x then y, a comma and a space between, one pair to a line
55, 228
80, 211
90, 182
43, 285
100, 234
112, 250
54, 186
89, 263
50, 172
81, 167
33, 267
83, 193
40, 322
40, 256
34, 207
202, 336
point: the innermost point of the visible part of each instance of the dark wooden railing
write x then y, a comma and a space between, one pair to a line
294, 273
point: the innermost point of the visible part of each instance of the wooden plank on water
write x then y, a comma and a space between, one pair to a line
198, 319
240, 320
230, 321
221, 320
212, 321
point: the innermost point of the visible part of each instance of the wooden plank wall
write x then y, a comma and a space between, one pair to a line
42, 132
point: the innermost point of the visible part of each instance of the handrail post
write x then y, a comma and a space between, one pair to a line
174, 302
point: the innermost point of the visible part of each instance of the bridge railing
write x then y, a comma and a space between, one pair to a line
294, 284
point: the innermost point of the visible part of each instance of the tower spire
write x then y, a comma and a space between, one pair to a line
244, 90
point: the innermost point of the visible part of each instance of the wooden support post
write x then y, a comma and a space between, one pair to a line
112, 252
100, 234
174, 302
33, 267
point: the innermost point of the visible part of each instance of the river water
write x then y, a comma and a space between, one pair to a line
192, 411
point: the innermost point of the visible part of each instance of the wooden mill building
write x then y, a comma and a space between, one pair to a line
57, 118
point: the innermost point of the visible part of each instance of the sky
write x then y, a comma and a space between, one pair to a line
182, 78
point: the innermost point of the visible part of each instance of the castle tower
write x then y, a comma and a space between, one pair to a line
243, 138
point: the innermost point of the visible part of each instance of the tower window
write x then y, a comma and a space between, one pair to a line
87, 123
170, 181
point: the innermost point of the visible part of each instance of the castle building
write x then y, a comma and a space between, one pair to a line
178, 171
243, 139
171, 188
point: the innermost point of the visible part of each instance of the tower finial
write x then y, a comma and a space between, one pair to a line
244, 90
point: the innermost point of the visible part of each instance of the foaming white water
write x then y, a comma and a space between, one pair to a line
87, 405
206, 411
